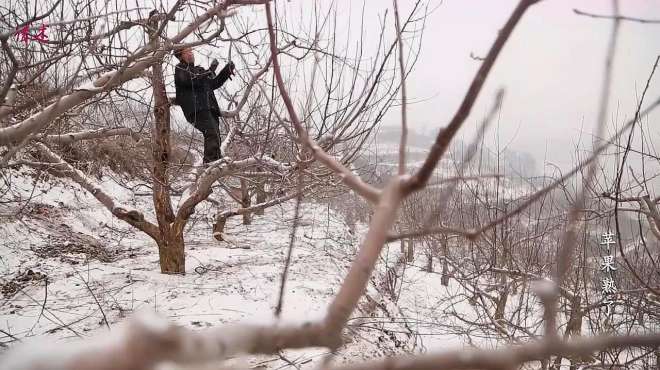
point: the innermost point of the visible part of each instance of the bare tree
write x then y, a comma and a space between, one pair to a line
258, 141
147, 343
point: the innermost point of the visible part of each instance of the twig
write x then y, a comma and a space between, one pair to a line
55, 317
618, 183
616, 17
348, 177
89, 134
569, 239
507, 357
10, 335
98, 304
292, 240
445, 136
471, 151
77, 20
43, 305
404, 121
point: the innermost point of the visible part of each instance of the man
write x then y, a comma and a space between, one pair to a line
195, 88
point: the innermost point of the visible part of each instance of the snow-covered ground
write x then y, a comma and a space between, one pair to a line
69, 269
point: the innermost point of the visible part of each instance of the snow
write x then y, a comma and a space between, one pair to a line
545, 288
92, 287
224, 283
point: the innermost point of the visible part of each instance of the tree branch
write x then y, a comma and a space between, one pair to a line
124, 213
445, 136
347, 176
89, 134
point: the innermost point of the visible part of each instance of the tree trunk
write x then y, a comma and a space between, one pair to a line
574, 328
391, 278
574, 325
444, 280
411, 251
245, 202
403, 247
171, 254
170, 243
261, 198
557, 363
501, 304
219, 227
431, 252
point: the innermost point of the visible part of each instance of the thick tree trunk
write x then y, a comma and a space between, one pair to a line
170, 244
171, 254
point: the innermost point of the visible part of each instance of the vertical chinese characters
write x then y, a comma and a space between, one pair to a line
608, 287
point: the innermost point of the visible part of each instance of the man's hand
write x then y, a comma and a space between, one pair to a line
214, 65
232, 69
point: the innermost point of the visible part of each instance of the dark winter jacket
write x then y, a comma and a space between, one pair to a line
194, 88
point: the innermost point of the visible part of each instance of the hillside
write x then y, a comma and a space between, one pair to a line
70, 270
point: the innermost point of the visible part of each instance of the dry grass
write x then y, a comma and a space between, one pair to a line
122, 155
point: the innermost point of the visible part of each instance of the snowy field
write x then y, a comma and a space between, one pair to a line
70, 270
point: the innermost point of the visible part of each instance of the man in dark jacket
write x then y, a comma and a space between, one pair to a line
195, 88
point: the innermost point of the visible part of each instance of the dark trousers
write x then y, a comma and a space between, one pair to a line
207, 122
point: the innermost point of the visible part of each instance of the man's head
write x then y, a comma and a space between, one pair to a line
185, 55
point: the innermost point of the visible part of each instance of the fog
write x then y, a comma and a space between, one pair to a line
551, 67
552, 70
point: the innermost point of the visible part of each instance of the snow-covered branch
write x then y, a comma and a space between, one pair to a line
89, 134
125, 213
147, 340
201, 188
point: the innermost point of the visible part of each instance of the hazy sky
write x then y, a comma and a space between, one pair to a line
551, 68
